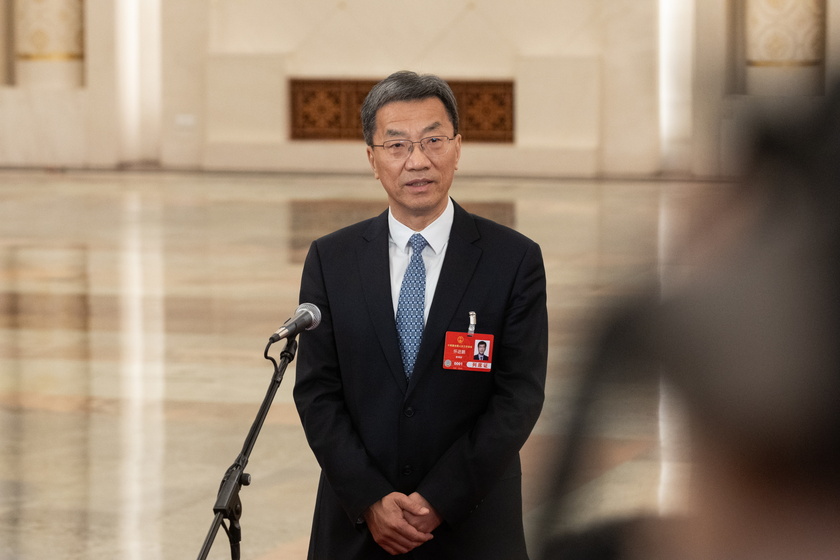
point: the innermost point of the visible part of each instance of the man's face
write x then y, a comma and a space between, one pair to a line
481, 348
417, 186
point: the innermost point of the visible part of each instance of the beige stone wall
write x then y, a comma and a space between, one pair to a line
202, 84
756, 59
585, 75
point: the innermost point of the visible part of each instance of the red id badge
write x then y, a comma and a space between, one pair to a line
468, 353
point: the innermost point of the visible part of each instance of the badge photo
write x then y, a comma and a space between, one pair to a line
466, 352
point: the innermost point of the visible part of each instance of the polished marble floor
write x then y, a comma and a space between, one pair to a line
135, 308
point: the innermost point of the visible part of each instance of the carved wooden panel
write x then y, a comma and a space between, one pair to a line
486, 110
329, 109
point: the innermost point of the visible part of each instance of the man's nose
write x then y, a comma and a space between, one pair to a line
417, 158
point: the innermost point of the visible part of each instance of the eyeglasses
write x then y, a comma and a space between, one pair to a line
432, 146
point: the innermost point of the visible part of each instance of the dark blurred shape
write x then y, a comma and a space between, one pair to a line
752, 345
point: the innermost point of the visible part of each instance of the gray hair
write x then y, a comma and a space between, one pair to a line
406, 86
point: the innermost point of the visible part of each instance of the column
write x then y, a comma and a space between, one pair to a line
785, 47
49, 43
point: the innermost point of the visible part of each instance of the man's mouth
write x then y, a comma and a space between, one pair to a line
418, 183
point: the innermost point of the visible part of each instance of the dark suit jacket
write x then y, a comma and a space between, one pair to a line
453, 436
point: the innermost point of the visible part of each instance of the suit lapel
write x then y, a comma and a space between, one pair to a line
456, 273
376, 282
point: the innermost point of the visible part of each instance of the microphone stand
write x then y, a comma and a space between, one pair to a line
228, 505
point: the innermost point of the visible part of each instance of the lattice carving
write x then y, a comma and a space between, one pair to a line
486, 110
329, 109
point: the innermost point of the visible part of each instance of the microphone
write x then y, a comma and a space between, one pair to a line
307, 317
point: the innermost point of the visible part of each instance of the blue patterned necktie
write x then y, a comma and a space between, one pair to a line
411, 305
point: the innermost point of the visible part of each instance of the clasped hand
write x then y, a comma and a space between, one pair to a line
401, 523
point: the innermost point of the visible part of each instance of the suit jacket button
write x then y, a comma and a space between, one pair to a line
407, 470
409, 412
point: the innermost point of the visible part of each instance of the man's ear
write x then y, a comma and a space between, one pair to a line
372, 162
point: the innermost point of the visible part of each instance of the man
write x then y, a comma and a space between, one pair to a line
482, 352
420, 455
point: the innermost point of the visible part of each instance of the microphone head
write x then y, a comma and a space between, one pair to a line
313, 310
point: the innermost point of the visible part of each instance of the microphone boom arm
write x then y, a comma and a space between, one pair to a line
228, 505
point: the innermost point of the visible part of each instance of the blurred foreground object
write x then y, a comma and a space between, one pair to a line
750, 344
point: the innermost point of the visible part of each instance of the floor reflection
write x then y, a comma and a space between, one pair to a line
142, 377
134, 309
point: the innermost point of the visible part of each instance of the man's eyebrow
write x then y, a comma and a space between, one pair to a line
391, 133
434, 126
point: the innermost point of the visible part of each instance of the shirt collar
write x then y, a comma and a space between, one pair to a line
436, 233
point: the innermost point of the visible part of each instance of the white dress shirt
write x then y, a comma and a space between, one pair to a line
399, 253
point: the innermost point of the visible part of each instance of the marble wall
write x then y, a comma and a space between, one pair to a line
57, 118
198, 84
726, 101
584, 75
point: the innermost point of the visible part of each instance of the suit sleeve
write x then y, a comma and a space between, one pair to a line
477, 459
319, 398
